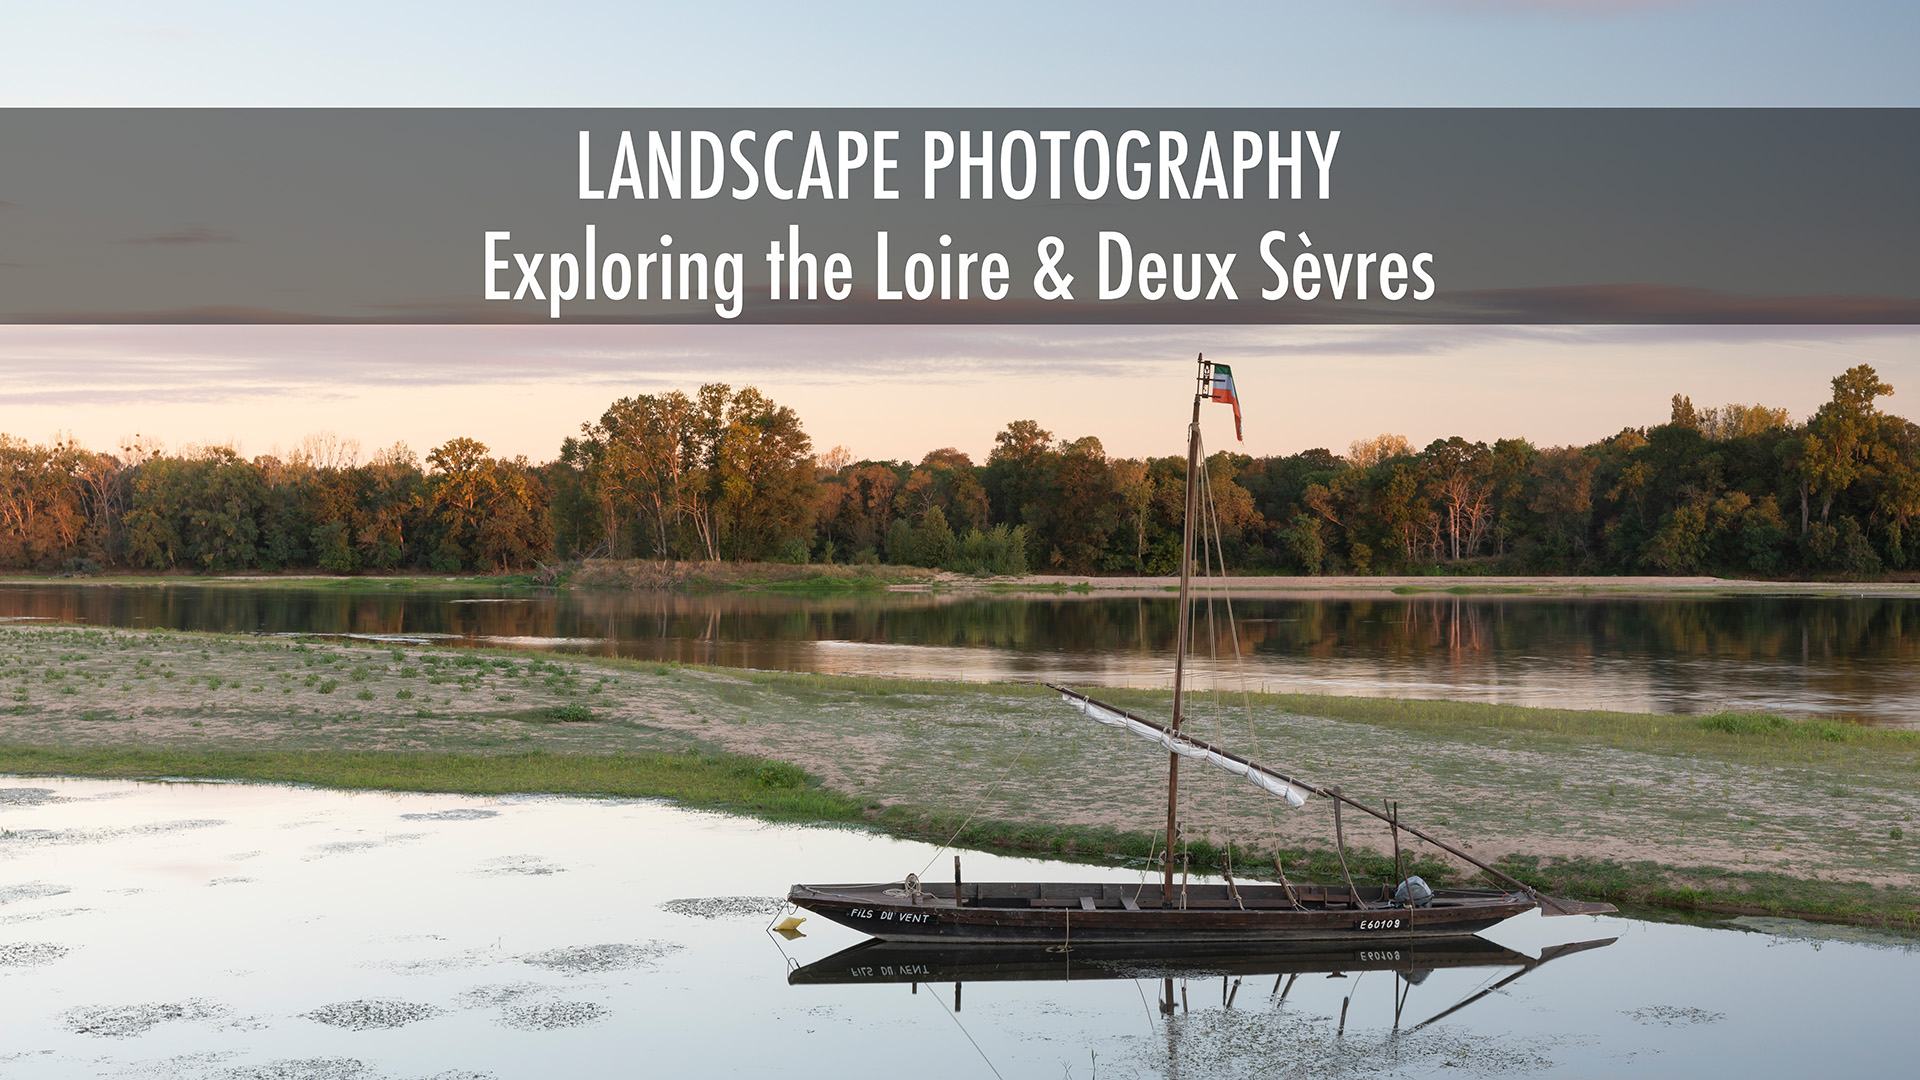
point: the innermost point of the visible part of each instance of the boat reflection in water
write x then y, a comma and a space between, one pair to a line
877, 961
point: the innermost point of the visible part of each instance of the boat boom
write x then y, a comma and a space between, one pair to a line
1560, 907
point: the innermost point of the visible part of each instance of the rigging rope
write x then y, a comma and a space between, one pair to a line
1207, 563
963, 1030
984, 799
1210, 519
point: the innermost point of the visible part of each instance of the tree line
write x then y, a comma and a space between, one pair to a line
1739, 490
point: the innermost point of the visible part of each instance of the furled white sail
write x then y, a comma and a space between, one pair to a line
1273, 785
1258, 777
1095, 712
1178, 745
1232, 765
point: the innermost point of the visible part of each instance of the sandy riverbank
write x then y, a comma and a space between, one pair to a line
1532, 783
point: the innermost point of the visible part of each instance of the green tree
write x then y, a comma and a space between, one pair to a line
1305, 543
1842, 442
199, 512
1018, 480
1133, 486
1561, 499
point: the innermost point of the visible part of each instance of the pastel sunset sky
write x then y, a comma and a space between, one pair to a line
898, 392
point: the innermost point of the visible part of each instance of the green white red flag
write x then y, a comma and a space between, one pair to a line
1223, 392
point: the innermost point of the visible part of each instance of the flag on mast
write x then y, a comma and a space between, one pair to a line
1223, 393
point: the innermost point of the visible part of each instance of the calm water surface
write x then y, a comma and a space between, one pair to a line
189, 931
1849, 657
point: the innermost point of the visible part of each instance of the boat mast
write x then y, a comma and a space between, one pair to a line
1181, 619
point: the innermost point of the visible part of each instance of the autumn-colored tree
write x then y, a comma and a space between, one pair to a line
1461, 475
715, 473
709, 474
514, 531
1366, 453
640, 462
491, 512
48, 499
1741, 421
762, 466
868, 505
1082, 514
1230, 505
945, 478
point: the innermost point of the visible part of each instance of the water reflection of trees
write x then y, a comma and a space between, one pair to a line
1832, 648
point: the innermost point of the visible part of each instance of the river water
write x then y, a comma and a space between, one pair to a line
1844, 657
199, 931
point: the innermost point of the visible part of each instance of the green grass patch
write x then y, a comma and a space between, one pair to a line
740, 783
1466, 590
1765, 724
649, 575
821, 583
1709, 889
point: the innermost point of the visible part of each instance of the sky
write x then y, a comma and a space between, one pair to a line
983, 53
889, 393
899, 392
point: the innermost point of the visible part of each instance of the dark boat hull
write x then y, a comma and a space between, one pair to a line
1068, 913
876, 961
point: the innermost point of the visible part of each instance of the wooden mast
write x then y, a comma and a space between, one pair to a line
1181, 619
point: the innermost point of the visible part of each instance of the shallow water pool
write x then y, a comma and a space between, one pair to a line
226, 930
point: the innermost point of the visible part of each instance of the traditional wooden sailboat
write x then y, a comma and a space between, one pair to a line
1106, 913
879, 961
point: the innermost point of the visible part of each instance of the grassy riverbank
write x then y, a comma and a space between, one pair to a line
631, 574
651, 575
1732, 813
